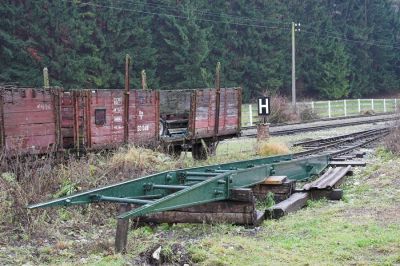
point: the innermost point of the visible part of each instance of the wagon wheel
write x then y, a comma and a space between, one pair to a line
199, 152
175, 150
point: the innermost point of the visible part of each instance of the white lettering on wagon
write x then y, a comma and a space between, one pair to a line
141, 115
44, 106
117, 110
117, 118
117, 127
118, 101
142, 128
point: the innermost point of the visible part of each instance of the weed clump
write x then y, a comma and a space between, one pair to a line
272, 148
368, 112
392, 140
307, 114
139, 158
281, 111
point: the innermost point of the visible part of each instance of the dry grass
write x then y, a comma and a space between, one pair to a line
269, 148
132, 157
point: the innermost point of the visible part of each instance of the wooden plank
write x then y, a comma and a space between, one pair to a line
295, 202
222, 206
260, 217
201, 217
121, 234
334, 194
283, 188
347, 163
275, 180
242, 194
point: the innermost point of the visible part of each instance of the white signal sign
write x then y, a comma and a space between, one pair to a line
263, 106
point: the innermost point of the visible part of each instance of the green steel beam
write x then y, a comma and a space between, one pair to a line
193, 186
142, 186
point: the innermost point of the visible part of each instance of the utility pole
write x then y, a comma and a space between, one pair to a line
295, 27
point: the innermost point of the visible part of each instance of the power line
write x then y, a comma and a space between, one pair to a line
374, 43
234, 23
175, 16
207, 12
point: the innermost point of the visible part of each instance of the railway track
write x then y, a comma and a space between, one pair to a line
338, 145
318, 125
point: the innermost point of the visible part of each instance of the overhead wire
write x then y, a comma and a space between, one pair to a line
208, 13
331, 35
172, 15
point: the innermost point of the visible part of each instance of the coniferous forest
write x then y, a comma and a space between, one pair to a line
343, 48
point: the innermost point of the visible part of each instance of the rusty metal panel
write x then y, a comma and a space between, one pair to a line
30, 125
202, 122
144, 116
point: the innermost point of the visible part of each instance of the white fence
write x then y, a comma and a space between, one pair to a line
330, 109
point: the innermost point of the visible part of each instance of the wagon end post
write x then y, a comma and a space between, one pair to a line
46, 83
217, 107
126, 98
2, 130
144, 80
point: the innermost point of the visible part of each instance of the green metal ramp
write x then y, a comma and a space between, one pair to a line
188, 187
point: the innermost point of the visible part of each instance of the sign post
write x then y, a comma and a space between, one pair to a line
264, 109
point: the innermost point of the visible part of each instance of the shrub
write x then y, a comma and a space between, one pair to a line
307, 114
281, 111
392, 140
368, 112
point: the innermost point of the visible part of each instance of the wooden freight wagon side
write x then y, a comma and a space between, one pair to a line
96, 119
30, 120
73, 106
144, 117
105, 121
204, 109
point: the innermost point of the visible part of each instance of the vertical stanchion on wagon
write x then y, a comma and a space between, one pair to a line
213, 146
46, 83
126, 99
144, 80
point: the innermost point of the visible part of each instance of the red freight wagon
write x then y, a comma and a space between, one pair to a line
29, 120
44, 120
96, 119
